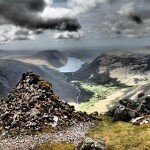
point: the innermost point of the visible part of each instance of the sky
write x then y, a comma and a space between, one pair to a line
74, 24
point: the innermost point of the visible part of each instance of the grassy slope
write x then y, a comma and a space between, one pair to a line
56, 146
122, 136
118, 136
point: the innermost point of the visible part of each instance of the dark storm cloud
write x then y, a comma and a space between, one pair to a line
24, 13
136, 18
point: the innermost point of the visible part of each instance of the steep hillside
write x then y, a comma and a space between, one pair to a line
11, 71
53, 57
108, 66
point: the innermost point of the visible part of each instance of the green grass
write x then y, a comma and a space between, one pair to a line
117, 136
91, 93
121, 135
56, 146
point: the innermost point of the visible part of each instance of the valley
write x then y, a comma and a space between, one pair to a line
92, 91
90, 83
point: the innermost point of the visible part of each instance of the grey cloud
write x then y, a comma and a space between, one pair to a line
24, 13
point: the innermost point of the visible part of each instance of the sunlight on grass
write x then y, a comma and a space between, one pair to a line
93, 93
118, 136
122, 136
56, 146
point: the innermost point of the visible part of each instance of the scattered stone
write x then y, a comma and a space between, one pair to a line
141, 120
91, 144
72, 135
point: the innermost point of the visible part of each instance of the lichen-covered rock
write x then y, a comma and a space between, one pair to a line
129, 109
141, 120
91, 144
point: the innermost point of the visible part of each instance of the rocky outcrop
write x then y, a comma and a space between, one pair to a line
32, 104
91, 144
136, 110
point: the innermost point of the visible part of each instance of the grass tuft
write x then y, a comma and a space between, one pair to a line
56, 146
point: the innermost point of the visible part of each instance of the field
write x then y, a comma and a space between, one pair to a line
121, 135
92, 93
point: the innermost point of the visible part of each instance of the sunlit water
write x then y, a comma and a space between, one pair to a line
73, 65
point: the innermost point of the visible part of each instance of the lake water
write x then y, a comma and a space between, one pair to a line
73, 65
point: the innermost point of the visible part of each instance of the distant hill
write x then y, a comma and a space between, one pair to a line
84, 55
54, 57
119, 65
11, 71
60, 1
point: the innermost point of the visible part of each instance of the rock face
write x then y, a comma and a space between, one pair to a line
32, 104
128, 110
91, 144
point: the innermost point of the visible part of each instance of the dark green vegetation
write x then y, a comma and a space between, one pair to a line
92, 93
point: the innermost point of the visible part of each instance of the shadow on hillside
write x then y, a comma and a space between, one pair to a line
86, 94
118, 84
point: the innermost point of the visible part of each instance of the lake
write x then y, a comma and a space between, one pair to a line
73, 65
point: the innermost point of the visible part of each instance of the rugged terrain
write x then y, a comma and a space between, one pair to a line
107, 67
118, 80
31, 108
11, 71
110, 78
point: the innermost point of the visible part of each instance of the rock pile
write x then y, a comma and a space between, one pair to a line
33, 104
141, 120
91, 144
136, 110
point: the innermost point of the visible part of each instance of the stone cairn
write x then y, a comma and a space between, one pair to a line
32, 104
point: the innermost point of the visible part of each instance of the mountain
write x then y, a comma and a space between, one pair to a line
11, 71
107, 66
84, 55
53, 57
